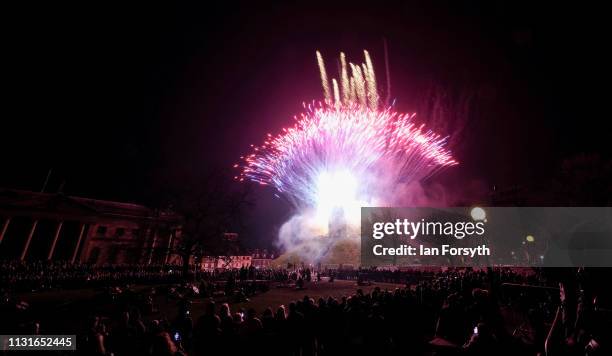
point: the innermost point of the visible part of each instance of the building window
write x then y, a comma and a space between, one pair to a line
93, 255
119, 232
101, 230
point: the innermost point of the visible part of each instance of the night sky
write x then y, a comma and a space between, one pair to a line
125, 101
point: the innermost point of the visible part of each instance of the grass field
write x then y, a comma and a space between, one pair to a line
67, 310
278, 296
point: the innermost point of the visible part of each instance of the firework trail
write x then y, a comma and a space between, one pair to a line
348, 151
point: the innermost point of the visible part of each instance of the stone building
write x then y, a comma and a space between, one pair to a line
262, 259
43, 226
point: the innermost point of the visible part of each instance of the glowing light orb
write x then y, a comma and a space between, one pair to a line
530, 238
336, 191
478, 214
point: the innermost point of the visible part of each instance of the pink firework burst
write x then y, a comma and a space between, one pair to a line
351, 151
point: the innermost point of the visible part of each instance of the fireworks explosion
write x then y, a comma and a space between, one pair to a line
346, 152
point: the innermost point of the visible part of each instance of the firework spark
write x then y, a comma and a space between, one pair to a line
345, 152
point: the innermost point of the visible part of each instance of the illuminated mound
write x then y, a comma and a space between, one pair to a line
327, 252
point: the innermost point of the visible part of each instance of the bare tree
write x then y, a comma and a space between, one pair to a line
210, 206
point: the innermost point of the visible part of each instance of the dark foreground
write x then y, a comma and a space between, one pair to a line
501, 312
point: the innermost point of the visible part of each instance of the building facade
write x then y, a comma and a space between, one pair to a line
43, 226
209, 263
257, 259
262, 259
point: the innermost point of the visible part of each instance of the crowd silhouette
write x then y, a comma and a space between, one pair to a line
456, 311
